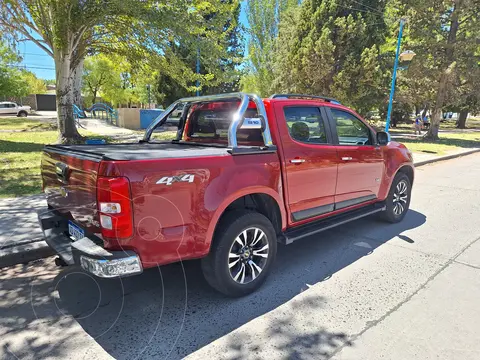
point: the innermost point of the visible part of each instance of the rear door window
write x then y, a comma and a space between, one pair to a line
306, 124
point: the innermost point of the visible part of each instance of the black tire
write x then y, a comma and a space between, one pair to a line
22, 114
391, 214
216, 265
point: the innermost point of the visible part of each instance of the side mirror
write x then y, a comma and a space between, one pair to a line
383, 138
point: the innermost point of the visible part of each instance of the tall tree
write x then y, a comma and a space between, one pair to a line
69, 29
448, 33
230, 79
263, 20
464, 96
217, 74
117, 80
415, 90
34, 84
99, 72
332, 48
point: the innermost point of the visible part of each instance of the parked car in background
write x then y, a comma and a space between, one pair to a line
11, 108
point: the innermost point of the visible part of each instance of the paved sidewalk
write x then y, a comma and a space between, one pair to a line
102, 127
21, 239
445, 329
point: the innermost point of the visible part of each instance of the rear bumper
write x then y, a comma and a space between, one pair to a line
86, 252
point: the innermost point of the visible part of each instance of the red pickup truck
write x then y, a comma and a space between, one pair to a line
240, 175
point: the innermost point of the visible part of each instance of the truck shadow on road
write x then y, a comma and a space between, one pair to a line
170, 312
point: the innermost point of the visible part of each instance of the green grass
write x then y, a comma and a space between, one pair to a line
472, 123
158, 135
20, 156
164, 135
446, 144
26, 124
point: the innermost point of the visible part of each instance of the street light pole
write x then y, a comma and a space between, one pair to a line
394, 76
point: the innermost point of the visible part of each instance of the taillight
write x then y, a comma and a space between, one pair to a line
115, 207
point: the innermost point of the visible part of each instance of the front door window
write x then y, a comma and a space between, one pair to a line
350, 130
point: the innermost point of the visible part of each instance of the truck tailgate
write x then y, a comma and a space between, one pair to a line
69, 181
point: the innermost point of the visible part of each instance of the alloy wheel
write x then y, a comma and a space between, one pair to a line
400, 198
248, 255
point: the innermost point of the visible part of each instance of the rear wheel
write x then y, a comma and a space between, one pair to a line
242, 253
398, 200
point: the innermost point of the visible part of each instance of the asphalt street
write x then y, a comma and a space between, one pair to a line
367, 290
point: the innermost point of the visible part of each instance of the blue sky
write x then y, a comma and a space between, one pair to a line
36, 60
41, 64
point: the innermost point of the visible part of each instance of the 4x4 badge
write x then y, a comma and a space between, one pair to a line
169, 180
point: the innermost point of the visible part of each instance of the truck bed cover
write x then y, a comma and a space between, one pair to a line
140, 151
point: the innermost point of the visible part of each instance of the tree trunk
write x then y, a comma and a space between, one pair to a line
67, 131
77, 84
394, 120
462, 119
439, 101
450, 64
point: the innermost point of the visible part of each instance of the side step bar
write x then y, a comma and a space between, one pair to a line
328, 223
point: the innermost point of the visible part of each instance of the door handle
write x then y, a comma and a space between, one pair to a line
346, 158
297, 161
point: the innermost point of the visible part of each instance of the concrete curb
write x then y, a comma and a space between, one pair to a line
38, 250
24, 253
446, 157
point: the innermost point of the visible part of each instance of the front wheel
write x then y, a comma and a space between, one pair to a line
398, 200
242, 253
22, 114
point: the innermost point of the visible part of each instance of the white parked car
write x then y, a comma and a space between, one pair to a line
11, 108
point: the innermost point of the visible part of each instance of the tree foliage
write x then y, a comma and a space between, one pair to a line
445, 34
116, 81
328, 48
14, 81
346, 49
68, 30
218, 73
229, 81
33, 83
11, 81
99, 74
263, 19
